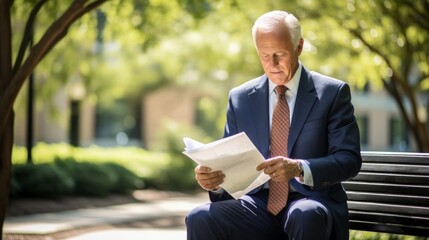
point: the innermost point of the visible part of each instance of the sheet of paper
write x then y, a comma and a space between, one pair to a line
235, 156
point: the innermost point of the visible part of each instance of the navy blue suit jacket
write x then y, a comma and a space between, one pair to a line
323, 133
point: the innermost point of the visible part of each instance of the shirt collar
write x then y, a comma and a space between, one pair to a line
293, 84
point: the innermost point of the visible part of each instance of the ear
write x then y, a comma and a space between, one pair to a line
300, 46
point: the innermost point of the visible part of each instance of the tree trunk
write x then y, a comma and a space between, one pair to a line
6, 144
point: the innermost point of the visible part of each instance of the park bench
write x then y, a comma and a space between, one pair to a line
390, 194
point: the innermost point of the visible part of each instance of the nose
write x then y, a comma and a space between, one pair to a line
273, 61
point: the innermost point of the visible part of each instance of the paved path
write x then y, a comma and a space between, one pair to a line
49, 223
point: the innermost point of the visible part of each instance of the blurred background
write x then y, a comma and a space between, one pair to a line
116, 96
106, 110
132, 71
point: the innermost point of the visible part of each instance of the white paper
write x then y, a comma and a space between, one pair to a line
235, 156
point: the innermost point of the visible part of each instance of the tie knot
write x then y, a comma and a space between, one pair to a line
281, 89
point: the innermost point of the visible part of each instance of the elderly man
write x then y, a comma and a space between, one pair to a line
303, 123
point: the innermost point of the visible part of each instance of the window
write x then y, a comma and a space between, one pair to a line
118, 123
398, 137
362, 122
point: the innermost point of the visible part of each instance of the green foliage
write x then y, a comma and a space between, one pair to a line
67, 176
130, 48
44, 180
125, 179
198, 8
97, 171
179, 172
139, 161
90, 179
210, 117
359, 235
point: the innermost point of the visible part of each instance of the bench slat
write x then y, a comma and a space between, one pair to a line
389, 208
383, 218
395, 157
420, 190
398, 229
395, 168
391, 178
413, 200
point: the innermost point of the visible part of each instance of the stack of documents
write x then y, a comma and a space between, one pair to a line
235, 156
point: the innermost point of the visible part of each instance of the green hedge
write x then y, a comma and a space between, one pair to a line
44, 180
69, 177
359, 235
60, 169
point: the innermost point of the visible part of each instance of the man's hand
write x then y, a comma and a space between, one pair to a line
280, 168
207, 179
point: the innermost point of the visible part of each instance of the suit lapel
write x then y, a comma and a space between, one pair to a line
258, 98
305, 99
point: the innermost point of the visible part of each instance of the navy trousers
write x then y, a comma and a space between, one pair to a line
247, 218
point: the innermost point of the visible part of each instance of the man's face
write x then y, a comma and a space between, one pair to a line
277, 54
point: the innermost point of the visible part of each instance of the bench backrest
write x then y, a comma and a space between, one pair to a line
390, 194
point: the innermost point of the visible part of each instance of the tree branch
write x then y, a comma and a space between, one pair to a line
373, 49
86, 9
52, 36
28, 32
417, 129
395, 15
421, 18
377, 51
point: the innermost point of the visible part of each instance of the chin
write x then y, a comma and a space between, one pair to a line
278, 80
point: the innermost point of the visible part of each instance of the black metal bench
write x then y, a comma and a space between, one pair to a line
390, 194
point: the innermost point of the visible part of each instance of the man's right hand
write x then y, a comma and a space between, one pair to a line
207, 179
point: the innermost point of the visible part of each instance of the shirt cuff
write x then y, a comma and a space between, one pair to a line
308, 177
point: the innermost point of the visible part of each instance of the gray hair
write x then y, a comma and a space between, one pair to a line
270, 21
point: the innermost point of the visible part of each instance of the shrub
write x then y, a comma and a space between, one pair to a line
126, 180
356, 235
144, 164
44, 180
15, 187
90, 179
98, 171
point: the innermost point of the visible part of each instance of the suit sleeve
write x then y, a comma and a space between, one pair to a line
343, 160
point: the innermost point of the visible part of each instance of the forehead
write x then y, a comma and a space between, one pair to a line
273, 41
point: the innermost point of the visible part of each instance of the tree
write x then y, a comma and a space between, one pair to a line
146, 18
380, 42
399, 38
14, 73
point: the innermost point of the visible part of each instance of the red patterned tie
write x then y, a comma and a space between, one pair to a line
279, 191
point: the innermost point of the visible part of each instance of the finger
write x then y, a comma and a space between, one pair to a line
261, 166
210, 175
202, 169
265, 165
212, 183
269, 162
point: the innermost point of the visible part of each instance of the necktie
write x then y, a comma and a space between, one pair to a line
279, 191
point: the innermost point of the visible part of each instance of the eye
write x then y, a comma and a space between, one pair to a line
280, 55
264, 57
